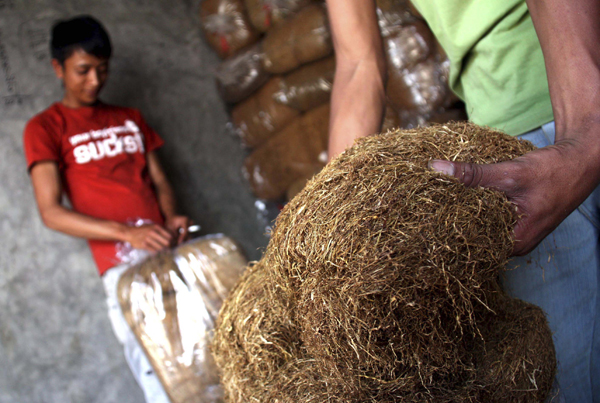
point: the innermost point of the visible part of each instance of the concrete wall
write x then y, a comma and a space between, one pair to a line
56, 344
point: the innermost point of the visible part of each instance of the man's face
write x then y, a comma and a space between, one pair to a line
83, 76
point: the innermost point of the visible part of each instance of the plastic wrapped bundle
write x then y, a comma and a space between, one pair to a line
418, 92
405, 48
307, 87
266, 13
417, 67
296, 152
413, 9
241, 75
171, 302
302, 39
393, 14
226, 26
259, 117
408, 45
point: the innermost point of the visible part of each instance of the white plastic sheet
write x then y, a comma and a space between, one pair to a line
171, 301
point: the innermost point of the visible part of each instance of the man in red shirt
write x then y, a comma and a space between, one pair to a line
104, 158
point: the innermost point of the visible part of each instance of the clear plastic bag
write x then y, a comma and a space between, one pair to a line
417, 93
171, 301
393, 14
127, 254
296, 152
302, 39
241, 75
259, 117
226, 26
267, 13
308, 87
408, 45
417, 74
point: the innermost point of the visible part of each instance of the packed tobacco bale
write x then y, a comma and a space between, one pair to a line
303, 38
385, 278
299, 184
241, 75
259, 117
513, 335
267, 13
298, 151
257, 346
226, 26
307, 87
171, 301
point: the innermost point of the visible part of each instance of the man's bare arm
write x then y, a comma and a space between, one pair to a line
358, 96
549, 183
45, 178
174, 222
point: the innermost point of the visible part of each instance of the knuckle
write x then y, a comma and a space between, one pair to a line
470, 174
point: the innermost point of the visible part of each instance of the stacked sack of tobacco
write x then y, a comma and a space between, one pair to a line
381, 284
278, 71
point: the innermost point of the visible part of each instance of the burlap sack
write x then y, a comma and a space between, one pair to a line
298, 151
302, 39
260, 117
307, 87
267, 13
226, 26
241, 75
171, 302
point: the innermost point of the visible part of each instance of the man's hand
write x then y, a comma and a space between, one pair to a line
150, 237
546, 185
178, 225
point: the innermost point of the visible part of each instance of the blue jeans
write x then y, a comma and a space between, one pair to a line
562, 277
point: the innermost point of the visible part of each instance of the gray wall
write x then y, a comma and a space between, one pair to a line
56, 344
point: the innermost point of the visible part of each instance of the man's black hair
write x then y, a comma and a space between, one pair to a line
80, 33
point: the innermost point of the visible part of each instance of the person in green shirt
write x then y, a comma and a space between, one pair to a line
532, 69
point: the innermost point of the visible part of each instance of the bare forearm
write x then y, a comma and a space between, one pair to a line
568, 32
72, 223
166, 199
547, 184
358, 96
164, 191
357, 105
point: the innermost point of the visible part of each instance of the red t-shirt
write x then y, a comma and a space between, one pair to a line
101, 154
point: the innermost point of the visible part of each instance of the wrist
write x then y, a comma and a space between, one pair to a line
122, 232
170, 216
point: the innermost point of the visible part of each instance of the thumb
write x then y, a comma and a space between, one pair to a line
471, 175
